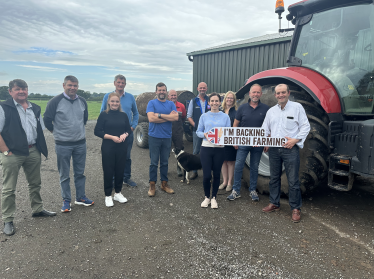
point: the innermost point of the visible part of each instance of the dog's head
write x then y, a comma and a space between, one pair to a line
177, 152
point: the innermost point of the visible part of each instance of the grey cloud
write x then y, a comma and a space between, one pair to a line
151, 36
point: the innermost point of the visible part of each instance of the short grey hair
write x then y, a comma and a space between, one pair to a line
70, 78
119, 77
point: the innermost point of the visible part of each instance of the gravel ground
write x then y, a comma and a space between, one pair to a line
170, 236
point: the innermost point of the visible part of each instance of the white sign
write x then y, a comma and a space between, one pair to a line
243, 136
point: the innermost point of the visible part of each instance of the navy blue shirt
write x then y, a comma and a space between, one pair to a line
251, 117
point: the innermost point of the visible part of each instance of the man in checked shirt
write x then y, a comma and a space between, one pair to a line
286, 119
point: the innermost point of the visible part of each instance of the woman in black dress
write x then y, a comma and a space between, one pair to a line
229, 107
113, 127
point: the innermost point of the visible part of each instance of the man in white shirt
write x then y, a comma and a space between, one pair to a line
287, 119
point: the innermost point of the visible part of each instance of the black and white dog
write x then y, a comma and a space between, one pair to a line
187, 162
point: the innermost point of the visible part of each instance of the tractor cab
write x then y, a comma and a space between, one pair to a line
338, 44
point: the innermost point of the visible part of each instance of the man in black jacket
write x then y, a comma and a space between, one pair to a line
21, 143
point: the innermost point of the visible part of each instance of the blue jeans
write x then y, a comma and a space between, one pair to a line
241, 155
127, 172
64, 154
291, 160
159, 150
196, 144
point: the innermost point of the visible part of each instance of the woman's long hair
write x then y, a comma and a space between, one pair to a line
111, 95
224, 107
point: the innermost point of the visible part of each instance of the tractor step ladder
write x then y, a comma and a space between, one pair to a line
340, 178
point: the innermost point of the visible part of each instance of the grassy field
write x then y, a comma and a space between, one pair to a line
93, 108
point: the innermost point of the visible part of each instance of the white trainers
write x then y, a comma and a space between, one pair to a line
213, 203
228, 188
109, 201
205, 203
222, 186
119, 197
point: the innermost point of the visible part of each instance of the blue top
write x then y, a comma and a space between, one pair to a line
251, 117
211, 120
160, 130
128, 105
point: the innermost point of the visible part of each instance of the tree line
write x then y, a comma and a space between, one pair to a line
4, 94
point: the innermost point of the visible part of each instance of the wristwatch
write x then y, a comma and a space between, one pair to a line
159, 115
6, 153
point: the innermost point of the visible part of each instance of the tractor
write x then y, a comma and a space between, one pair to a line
331, 73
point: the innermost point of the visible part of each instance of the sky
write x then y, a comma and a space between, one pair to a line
42, 41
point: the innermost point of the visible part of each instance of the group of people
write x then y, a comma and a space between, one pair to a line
22, 142
287, 120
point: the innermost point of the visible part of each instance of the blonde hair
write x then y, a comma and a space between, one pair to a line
224, 100
111, 95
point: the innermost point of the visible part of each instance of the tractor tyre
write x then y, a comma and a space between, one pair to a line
141, 135
313, 156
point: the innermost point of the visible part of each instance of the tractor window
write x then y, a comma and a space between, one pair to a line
339, 44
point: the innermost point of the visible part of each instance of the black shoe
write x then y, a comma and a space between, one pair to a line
8, 228
44, 213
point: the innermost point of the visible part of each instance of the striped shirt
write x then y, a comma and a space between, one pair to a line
28, 121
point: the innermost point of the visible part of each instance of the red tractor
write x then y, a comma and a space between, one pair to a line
331, 73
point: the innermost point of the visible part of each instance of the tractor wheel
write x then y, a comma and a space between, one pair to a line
313, 156
141, 135
142, 119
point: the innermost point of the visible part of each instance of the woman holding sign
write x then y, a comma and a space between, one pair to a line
211, 153
229, 107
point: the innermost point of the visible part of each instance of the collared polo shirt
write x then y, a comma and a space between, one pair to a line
291, 121
251, 117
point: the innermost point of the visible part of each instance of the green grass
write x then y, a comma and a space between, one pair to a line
93, 108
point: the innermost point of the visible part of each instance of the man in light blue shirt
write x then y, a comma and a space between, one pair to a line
287, 120
128, 105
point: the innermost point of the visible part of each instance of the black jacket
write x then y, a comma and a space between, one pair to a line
13, 133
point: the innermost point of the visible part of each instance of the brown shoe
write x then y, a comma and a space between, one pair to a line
296, 215
165, 187
152, 189
270, 208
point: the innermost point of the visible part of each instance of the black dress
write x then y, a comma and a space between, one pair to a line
230, 151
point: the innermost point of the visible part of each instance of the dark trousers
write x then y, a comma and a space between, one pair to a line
177, 134
291, 160
211, 160
113, 157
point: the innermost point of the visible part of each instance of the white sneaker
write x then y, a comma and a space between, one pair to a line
119, 197
222, 186
109, 201
213, 203
205, 203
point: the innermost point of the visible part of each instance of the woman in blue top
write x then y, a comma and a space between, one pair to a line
211, 155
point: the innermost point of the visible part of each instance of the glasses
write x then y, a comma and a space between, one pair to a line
229, 98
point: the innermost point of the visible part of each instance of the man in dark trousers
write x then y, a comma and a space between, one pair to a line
21, 143
161, 113
177, 126
288, 120
196, 108
251, 114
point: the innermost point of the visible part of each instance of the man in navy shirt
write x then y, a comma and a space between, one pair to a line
251, 114
161, 113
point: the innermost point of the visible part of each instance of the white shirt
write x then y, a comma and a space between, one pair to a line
291, 121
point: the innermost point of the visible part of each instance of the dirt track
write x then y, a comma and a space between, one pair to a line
170, 236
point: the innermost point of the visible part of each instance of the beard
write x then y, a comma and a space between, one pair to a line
162, 96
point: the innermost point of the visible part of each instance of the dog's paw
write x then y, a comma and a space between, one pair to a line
182, 181
188, 182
